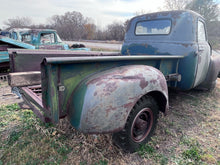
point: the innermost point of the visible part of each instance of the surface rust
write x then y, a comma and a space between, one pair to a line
114, 94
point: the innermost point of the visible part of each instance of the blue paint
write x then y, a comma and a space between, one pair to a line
16, 43
182, 40
4, 57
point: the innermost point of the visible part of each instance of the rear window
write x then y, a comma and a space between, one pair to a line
153, 27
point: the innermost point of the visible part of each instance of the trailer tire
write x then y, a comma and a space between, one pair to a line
140, 125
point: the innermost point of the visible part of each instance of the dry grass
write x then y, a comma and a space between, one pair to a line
189, 134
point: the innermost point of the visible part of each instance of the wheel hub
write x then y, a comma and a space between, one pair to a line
142, 125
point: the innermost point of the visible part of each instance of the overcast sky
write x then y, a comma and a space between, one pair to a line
103, 12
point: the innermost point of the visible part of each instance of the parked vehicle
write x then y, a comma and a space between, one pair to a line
5, 33
16, 33
119, 93
5, 44
32, 39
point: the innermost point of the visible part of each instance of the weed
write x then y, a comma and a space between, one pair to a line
83, 163
14, 136
12, 107
193, 153
63, 150
185, 140
146, 149
33, 161
164, 160
46, 125
149, 152
208, 158
102, 162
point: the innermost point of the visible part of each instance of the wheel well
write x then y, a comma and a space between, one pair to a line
160, 99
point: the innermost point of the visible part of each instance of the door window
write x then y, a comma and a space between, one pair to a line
47, 38
201, 32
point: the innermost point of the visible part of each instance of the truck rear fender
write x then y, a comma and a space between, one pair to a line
102, 102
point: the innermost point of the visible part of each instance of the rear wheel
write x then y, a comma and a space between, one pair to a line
140, 125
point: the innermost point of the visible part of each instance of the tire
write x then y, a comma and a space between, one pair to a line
139, 126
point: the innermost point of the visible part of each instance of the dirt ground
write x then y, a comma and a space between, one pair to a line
6, 96
188, 134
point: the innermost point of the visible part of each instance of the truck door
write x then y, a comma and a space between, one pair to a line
203, 54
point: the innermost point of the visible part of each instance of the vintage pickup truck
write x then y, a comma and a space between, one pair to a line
25, 38
119, 93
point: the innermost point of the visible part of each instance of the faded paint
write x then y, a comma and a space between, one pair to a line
78, 74
109, 99
4, 57
72, 72
15, 43
29, 60
181, 40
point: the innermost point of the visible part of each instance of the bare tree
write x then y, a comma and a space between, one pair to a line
140, 12
70, 26
18, 22
207, 8
90, 30
74, 26
116, 31
176, 4
210, 11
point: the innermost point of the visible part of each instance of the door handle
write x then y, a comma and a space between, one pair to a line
201, 49
196, 53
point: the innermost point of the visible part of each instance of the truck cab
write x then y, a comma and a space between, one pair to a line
43, 39
172, 33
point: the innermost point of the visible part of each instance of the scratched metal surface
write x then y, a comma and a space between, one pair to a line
109, 96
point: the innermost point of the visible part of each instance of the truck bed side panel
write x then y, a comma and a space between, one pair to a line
61, 77
29, 60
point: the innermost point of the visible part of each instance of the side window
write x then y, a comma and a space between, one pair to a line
47, 38
14, 35
201, 32
26, 38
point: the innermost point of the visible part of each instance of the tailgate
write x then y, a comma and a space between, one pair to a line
27, 84
32, 95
